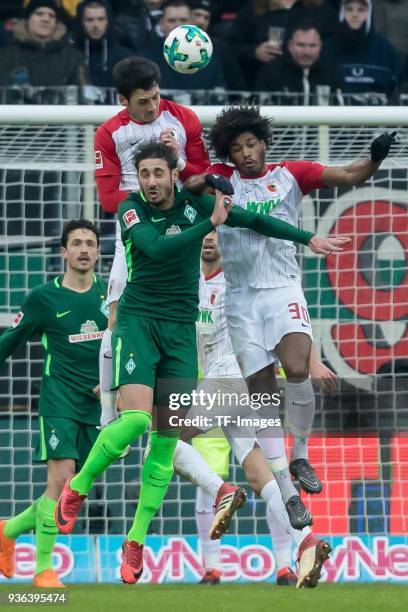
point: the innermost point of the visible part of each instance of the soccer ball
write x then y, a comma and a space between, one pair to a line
187, 49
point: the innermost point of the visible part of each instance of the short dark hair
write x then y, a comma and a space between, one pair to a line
302, 26
135, 73
175, 3
78, 224
159, 150
233, 121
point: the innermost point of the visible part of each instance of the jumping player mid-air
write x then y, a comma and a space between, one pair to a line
145, 117
265, 307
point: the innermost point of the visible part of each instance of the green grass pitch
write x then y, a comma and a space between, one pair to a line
223, 598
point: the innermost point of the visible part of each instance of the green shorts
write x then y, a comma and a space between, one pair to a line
150, 351
64, 439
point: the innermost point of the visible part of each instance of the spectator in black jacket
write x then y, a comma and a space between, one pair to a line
301, 69
368, 60
250, 33
40, 54
201, 12
94, 36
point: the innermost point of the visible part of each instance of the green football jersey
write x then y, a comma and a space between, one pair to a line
71, 326
163, 251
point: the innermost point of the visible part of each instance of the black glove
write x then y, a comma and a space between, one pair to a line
380, 147
221, 183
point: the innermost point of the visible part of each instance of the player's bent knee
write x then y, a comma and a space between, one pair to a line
298, 371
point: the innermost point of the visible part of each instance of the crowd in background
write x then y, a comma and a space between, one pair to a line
333, 49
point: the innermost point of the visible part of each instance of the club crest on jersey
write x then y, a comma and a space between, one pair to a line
130, 218
190, 213
17, 319
213, 297
98, 160
53, 441
174, 229
272, 188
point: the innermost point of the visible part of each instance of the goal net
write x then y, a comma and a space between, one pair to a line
358, 302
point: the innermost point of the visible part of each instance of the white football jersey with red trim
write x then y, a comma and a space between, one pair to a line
215, 355
248, 258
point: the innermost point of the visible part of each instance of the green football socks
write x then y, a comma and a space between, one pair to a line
22, 522
111, 443
46, 533
156, 475
38, 516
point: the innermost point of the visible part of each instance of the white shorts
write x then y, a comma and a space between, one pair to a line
119, 271
259, 318
242, 438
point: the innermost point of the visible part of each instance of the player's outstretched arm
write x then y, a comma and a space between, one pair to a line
362, 169
25, 325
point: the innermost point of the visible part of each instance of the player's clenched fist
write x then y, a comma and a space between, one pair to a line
380, 147
220, 183
321, 245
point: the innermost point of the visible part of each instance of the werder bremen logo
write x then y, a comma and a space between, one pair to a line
89, 326
53, 441
190, 213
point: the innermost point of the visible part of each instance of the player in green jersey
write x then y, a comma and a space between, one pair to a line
69, 313
154, 339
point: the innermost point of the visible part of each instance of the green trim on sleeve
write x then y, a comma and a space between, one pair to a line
44, 342
128, 255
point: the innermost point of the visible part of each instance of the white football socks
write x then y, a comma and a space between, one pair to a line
281, 541
272, 445
271, 496
189, 463
300, 406
204, 518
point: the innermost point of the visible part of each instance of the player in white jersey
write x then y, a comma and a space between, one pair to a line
217, 360
221, 374
144, 118
266, 310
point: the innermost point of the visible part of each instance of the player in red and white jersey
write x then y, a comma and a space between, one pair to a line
266, 310
144, 118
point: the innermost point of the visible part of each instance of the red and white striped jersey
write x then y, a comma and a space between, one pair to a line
249, 259
117, 139
215, 355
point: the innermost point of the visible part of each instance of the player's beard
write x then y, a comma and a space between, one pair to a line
167, 193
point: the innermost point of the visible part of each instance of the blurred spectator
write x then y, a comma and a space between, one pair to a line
391, 19
135, 22
301, 69
94, 36
68, 6
368, 60
201, 13
40, 53
176, 13
260, 28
